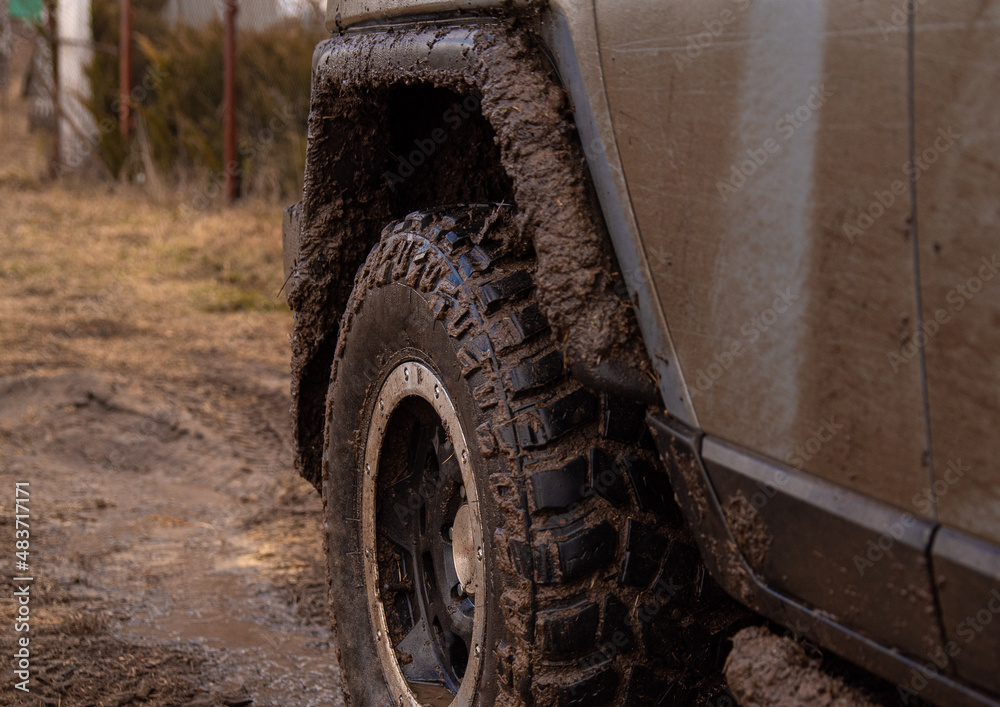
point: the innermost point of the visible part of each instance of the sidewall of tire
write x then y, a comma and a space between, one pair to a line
393, 323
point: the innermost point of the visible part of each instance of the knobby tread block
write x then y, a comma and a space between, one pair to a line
517, 328
622, 420
453, 240
680, 568
532, 375
652, 489
529, 322
542, 425
644, 689
643, 554
493, 294
606, 478
595, 688
568, 630
616, 629
661, 634
478, 260
587, 551
577, 408
520, 557
559, 488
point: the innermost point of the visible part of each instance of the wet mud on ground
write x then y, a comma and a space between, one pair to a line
176, 560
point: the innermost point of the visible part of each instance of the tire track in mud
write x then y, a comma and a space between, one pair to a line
178, 560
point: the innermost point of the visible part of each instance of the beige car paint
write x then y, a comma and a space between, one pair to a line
957, 146
750, 134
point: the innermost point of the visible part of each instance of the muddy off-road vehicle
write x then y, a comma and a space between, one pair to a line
611, 312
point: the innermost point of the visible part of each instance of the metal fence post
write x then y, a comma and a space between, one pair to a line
229, 88
125, 70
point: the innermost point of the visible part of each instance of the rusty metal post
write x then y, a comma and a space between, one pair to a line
125, 70
229, 89
6, 56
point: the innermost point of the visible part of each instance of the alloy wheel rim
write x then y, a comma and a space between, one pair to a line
422, 542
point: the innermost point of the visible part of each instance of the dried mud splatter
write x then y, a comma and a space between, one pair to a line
765, 670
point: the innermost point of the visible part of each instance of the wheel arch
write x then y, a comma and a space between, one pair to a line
481, 102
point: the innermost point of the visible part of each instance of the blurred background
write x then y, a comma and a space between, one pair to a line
77, 64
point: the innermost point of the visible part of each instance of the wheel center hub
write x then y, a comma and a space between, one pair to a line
464, 549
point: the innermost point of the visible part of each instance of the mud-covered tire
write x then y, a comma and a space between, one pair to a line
595, 594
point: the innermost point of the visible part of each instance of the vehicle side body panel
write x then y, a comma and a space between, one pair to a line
750, 133
862, 561
957, 153
688, 453
968, 574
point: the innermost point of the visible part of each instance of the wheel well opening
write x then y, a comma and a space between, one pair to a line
374, 156
440, 150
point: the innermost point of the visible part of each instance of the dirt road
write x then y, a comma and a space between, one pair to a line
177, 559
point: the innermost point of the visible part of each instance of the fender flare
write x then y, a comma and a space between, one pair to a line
520, 97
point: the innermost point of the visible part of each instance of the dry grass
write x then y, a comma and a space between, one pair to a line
100, 276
